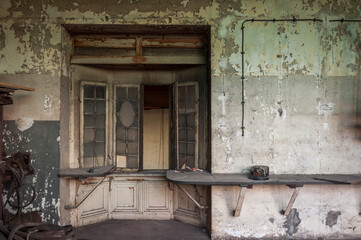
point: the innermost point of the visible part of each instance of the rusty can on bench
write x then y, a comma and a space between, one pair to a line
259, 172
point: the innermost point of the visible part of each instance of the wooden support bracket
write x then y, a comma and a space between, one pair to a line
77, 204
190, 196
296, 190
242, 194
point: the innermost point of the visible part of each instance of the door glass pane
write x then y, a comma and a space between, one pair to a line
100, 106
127, 116
88, 106
182, 99
187, 113
100, 135
100, 92
89, 120
132, 162
94, 119
89, 91
133, 93
190, 100
121, 148
89, 135
133, 134
99, 149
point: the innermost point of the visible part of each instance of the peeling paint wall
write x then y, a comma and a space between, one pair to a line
302, 92
41, 141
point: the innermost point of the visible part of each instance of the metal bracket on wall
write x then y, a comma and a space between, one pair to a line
296, 190
85, 197
189, 195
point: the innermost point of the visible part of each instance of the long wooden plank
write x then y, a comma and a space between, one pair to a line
206, 178
104, 42
101, 42
15, 87
340, 178
173, 43
84, 172
139, 60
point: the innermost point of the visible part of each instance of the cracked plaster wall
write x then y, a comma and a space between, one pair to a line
311, 71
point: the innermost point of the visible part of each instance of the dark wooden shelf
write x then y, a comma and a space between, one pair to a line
85, 173
227, 179
295, 181
15, 87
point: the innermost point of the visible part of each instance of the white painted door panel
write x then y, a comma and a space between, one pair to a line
131, 197
157, 196
125, 196
95, 208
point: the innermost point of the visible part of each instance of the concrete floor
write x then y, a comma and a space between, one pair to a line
141, 229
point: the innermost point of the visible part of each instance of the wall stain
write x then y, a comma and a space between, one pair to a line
331, 218
292, 222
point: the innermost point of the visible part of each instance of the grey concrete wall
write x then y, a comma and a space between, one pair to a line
311, 71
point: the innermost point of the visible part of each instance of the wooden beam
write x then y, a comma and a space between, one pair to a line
15, 87
242, 195
139, 47
139, 60
191, 198
173, 43
105, 42
292, 200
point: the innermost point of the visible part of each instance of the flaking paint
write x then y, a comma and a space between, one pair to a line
303, 66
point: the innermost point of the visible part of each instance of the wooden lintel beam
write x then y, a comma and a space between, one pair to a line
105, 42
173, 43
139, 60
138, 47
15, 87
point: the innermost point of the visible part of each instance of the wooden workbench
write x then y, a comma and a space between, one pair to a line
295, 181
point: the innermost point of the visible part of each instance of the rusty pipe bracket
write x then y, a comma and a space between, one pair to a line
189, 195
85, 197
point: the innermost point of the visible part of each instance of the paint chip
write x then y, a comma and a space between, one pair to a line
24, 123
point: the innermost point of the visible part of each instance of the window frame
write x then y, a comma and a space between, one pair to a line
81, 120
196, 117
114, 125
110, 157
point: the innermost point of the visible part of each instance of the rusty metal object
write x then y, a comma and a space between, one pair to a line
37, 231
259, 172
13, 169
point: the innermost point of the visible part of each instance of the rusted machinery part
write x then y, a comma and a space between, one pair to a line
41, 231
17, 166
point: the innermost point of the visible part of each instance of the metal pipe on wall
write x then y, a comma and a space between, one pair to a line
243, 51
345, 20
